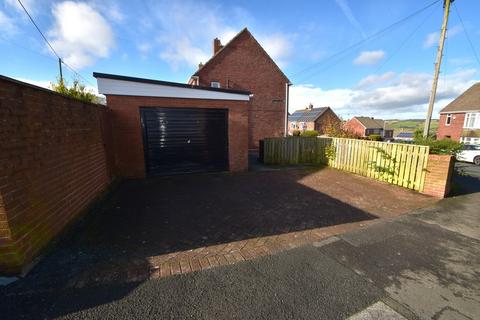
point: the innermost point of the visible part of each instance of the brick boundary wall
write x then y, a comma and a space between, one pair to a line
54, 161
438, 180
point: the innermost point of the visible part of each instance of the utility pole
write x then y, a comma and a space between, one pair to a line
60, 68
431, 102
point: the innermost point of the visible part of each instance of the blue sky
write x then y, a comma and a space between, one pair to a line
387, 76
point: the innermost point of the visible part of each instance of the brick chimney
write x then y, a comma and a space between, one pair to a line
217, 45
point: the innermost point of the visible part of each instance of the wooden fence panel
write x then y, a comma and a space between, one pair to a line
398, 164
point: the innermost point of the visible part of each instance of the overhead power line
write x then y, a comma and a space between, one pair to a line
415, 30
51, 47
466, 34
375, 35
38, 29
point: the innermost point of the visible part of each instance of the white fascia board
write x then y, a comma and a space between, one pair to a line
470, 111
132, 88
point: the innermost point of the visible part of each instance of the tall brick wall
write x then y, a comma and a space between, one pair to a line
127, 131
438, 179
454, 130
244, 65
53, 163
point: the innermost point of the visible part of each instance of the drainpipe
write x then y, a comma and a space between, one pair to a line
287, 98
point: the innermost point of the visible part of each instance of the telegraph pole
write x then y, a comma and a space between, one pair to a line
431, 102
60, 68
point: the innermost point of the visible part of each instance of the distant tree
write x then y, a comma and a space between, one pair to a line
77, 90
334, 128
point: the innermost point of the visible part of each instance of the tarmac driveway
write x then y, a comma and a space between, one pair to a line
166, 226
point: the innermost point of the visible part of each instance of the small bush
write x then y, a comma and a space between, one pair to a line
444, 146
296, 133
375, 137
309, 133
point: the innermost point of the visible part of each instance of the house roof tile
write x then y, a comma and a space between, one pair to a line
467, 101
372, 123
307, 115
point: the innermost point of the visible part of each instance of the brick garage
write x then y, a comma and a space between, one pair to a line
127, 95
54, 162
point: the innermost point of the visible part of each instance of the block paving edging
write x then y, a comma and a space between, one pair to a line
203, 258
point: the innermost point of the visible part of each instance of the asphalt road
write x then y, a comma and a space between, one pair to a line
423, 266
466, 179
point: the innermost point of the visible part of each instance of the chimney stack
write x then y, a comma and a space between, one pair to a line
217, 45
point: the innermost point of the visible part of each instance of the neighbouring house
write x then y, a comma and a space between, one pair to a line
365, 126
243, 64
311, 118
404, 136
164, 128
460, 119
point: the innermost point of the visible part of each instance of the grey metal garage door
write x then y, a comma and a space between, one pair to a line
184, 140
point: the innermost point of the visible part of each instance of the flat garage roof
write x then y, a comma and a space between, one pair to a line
112, 84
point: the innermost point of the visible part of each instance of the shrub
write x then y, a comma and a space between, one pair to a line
77, 90
444, 146
296, 133
334, 128
309, 133
375, 137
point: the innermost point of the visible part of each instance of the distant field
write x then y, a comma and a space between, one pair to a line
411, 125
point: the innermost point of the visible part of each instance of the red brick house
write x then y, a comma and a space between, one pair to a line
243, 64
460, 119
311, 118
365, 126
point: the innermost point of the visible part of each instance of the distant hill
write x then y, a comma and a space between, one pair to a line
410, 125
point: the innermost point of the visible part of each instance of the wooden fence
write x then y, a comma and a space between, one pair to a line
400, 164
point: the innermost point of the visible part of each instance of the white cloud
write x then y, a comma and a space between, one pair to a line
432, 38
348, 13
278, 46
109, 9
38, 83
403, 95
48, 84
369, 57
80, 34
374, 79
184, 36
7, 25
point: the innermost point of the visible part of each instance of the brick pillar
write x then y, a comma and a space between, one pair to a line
438, 180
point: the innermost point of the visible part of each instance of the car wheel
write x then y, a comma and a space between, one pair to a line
476, 160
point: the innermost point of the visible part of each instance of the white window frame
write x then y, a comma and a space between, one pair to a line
448, 119
468, 119
215, 84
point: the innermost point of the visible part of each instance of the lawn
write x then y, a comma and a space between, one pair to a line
410, 125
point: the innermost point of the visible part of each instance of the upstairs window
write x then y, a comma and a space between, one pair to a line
215, 84
448, 119
472, 120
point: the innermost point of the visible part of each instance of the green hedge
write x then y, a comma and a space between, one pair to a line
375, 137
309, 133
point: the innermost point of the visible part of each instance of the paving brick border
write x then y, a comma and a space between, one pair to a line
203, 258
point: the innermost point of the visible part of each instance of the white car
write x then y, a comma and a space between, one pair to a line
470, 153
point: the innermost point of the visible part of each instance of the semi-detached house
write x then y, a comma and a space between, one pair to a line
460, 119
231, 102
